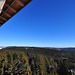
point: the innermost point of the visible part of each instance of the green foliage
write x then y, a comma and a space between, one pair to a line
14, 63
35, 61
64, 67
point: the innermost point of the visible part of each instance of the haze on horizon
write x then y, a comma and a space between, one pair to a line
47, 23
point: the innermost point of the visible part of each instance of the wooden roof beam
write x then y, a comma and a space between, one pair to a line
6, 14
1, 22
0, 25
20, 2
3, 18
10, 7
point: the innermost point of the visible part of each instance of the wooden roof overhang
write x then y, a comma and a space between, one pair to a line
11, 7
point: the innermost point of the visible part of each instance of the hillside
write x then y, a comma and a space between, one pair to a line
35, 61
68, 49
63, 49
45, 51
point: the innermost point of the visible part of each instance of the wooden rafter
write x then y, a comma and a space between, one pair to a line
10, 7
1, 22
6, 14
3, 18
20, 2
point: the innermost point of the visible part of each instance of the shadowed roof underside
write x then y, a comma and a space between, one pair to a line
11, 7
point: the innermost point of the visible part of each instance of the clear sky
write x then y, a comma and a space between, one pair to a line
43, 23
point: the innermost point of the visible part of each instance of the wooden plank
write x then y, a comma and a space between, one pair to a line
0, 25
6, 14
1, 22
20, 2
10, 7
3, 18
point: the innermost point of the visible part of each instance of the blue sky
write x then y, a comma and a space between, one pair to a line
42, 23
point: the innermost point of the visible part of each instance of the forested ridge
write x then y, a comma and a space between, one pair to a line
35, 61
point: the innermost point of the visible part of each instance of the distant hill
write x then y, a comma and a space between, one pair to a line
1, 48
63, 49
56, 53
48, 48
68, 49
